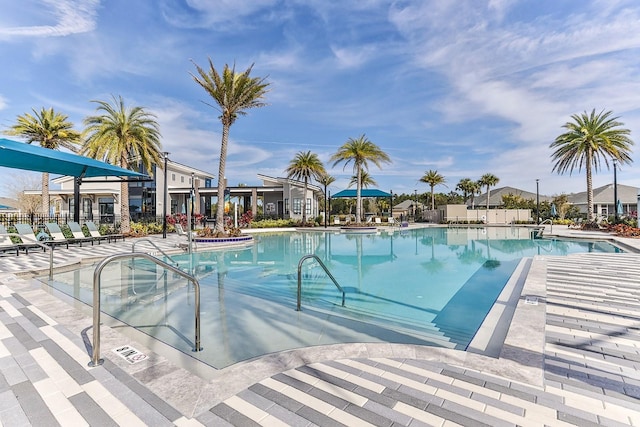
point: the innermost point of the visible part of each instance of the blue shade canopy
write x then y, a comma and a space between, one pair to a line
19, 155
365, 192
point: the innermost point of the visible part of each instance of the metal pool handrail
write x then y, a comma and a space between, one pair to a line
133, 249
95, 357
333, 279
42, 245
550, 222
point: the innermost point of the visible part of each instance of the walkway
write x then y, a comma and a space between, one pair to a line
571, 357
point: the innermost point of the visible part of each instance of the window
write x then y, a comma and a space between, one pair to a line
297, 206
286, 206
173, 177
105, 205
182, 179
308, 207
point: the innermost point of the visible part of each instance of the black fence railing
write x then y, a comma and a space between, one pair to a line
39, 220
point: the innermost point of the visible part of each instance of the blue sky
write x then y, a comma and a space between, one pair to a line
463, 87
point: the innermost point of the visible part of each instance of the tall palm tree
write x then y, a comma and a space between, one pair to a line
305, 166
590, 140
488, 180
326, 180
360, 151
432, 178
51, 130
234, 92
366, 180
119, 135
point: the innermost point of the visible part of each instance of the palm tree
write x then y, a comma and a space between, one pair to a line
120, 135
234, 92
432, 178
51, 130
326, 180
366, 180
590, 140
304, 166
467, 186
361, 151
488, 180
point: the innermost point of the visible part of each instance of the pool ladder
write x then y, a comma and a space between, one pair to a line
326, 270
95, 357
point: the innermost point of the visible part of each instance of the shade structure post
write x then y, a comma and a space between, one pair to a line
164, 203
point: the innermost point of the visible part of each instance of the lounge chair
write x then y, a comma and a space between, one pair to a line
6, 244
392, 221
95, 233
57, 235
336, 220
27, 236
78, 234
378, 220
181, 231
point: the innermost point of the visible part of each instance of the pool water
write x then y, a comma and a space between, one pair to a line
430, 286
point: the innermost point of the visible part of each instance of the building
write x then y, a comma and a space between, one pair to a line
495, 199
8, 206
604, 202
278, 197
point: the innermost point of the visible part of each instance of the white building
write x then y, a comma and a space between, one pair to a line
100, 198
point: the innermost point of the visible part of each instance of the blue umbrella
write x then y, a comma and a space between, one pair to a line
554, 212
619, 207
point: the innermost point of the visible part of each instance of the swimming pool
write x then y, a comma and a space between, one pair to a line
431, 286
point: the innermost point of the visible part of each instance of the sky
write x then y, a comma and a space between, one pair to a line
463, 87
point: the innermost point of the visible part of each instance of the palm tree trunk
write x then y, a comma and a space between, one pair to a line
125, 223
45, 194
221, 183
432, 198
590, 216
488, 195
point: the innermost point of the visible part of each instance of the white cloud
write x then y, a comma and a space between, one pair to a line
68, 16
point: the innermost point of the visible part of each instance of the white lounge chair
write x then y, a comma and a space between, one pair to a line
27, 236
6, 244
78, 234
95, 233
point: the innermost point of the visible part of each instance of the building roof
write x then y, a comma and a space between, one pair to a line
497, 193
604, 195
7, 204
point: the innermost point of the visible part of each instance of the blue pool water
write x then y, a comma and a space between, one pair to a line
425, 286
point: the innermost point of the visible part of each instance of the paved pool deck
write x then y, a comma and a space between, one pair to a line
571, 356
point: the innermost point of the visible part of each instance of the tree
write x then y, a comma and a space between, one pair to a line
305, 166
590, 140
234, 93
360, 151
120, 135
469, 189
51, 130
366, 180
326, 180
15, 188
488, 180
433, 178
